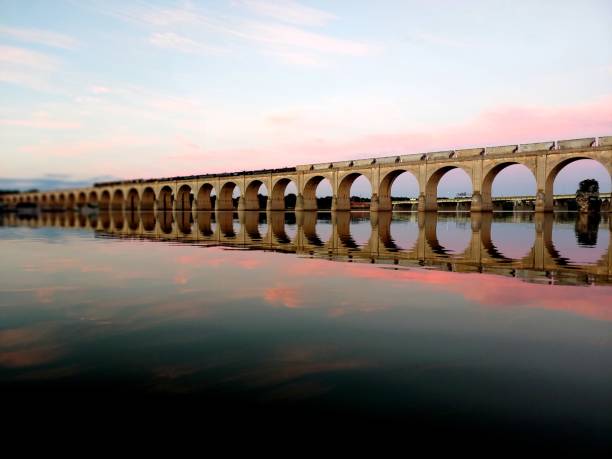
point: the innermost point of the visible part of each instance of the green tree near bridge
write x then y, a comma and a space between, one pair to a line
587, 196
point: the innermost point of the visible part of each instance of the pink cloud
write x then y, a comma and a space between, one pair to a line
173, 41
286, 296
40, 123
39, 36
289, 11
495, 126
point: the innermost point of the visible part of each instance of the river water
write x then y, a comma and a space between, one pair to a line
489, 323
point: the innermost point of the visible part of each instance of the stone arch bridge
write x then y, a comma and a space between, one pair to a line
545, 160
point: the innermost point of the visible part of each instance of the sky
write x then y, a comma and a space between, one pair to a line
92, 90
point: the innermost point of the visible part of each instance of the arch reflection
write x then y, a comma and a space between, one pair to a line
546, 255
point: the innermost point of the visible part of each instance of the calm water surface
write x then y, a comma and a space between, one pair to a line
499, 323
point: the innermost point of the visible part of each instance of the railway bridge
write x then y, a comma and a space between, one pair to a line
544, 159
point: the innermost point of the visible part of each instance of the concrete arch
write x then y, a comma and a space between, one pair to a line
132, 201
343, 193
276, 199
431, 185
545, 197
309, 192
71, 201
205, 199
386, 183
118, 201
184, 198
489, 175
147, 201
251, 194
165, 199
225, 200
92, 199
82, 199
105, 200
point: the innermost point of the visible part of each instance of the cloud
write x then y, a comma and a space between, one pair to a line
287, 296
440, 40
288, 37
276, 37
173, 41
38, 36
296, 58
11, 55
100, 89
40, 121
289, 11
26, 68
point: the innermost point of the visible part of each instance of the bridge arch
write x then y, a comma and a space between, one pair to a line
251, 195
433, 180
225, 200
386, 185
278, 198
118, 200
71, 201
82, 199
147, 201
206, 197
93, 198
165, 200
489, 175
343, 194
105, 200
554, 168
61, 202
309, 192
184, 198
133, 200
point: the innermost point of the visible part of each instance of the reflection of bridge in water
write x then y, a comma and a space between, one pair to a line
543, 261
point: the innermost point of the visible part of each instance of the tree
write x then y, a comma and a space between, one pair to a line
587, 196
589, 186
